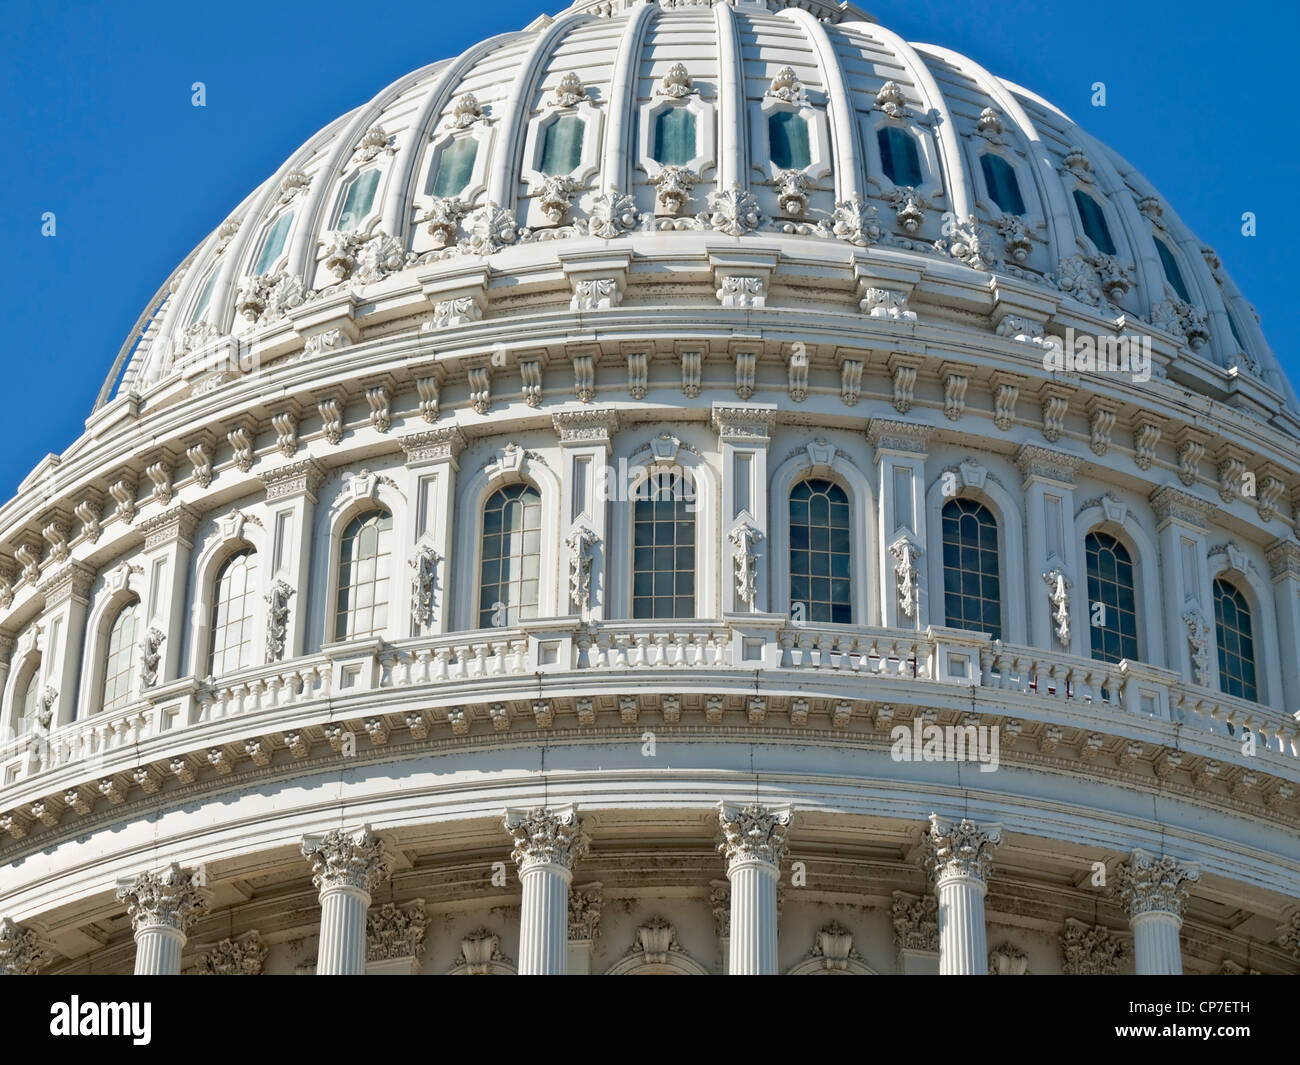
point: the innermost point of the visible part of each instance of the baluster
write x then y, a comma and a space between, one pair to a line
441, 656
620, 654
661, 648
274, 689
680, 639
480, 658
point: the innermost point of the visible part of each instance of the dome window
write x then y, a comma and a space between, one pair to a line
453, 169
273, 247
1094, 222
1172, 274
663, 548
119, 659
1234, 634
234, 611
1110, 583
359, 200
787, 134
1232, 324
899, 158
674, 137
820, 555
562, 146
1000, 180
971, 580
510, 570
205, 297
365, 551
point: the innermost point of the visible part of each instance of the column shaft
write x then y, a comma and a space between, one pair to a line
963, 944
1156, 950
544, 921
342, 947
753, 945
158, 951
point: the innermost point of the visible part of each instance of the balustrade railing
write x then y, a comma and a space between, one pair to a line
933, 656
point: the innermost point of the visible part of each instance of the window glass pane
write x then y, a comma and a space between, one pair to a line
1234, 635
119, 660
663, 577
1112, 610
899, 157
365, 550
1172, 273
674, 139
562, 145
234, 610
787, 133
971, 580
205, 296
1004, 189
509, 574
820, 566
274, 245
359, 200
1232, 324
1094, 222
453, 169
31, 701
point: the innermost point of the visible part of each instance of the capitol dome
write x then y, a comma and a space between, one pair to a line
685, 487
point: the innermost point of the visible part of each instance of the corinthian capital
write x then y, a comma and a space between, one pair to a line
1148, 884
21, 953
754, 833
346, 859
960, 849
546, 837
169, 899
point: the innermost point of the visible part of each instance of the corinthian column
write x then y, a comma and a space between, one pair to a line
162, 907
1154, 891
547, 843
754, 843
345, 866
959, 858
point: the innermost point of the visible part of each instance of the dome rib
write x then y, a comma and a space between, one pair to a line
616, 172
733, 121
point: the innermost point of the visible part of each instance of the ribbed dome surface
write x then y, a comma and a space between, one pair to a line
452, 161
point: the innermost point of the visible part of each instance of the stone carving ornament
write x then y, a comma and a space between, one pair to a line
169, 899
346, 859
582, 543
754, 833
906, 556
546, 837
745, 539
960, 849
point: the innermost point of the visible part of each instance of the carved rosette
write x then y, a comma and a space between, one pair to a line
21, 953
342, 859
1148, 884
960, 850
169, 899
394, 931
754, 833
546, 837
235, 957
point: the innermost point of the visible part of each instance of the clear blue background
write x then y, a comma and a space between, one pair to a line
97, 124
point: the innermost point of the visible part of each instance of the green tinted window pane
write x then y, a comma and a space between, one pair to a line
674, 141
1094, 222
787, 134
899, 158
275, 241
1235, 335
1004, 189
454, 168
562, 145
359, 200
1172, 272
205, 297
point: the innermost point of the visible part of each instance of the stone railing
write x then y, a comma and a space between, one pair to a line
922, 666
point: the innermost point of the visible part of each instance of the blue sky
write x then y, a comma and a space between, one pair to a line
96, 116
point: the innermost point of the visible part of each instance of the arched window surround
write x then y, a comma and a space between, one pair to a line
641, 461
357, 493
819, 143
505, 467
830, 464
28, 659
1229, 563
118, 588
481, 132
932, 181
705, 158
974, 482
1116, 519
231, 534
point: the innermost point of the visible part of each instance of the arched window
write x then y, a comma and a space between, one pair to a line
510, 574
663, 547
972, 589
119, 659
31, 703
1112, 603
1235, 636
562, 146
1000, 179
1172, 273
234, 608
1094, 222
674, 137
899, 158
364, 555
359, 199
205, 296
787, 136
820, 560
453, 168
274, 243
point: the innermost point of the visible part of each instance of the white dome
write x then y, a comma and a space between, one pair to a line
617, 67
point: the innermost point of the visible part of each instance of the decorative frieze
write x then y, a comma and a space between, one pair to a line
916, 921
1091, 951
394, 932
235, 957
